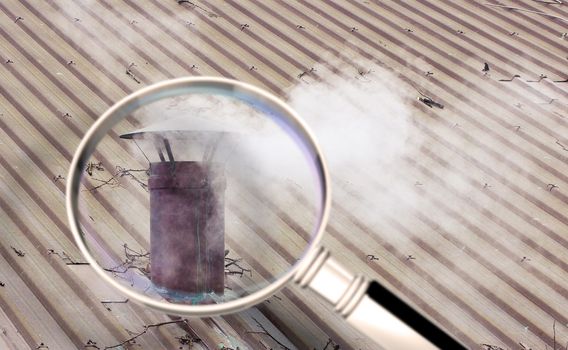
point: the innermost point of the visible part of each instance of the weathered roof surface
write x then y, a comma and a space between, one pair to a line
479, 235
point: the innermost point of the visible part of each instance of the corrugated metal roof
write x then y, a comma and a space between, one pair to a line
477, 239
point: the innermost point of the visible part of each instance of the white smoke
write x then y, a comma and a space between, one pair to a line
361, 122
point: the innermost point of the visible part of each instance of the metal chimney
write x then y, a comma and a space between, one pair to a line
187, 238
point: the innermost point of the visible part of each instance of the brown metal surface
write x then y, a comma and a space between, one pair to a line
482, 205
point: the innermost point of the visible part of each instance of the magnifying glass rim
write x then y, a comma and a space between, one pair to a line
89, 141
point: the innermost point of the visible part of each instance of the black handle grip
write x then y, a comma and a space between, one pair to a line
412, 318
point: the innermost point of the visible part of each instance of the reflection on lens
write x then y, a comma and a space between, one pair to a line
199, 199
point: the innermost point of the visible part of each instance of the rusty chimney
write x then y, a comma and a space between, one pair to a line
187, 228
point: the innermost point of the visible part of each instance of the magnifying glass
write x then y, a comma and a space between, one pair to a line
204, 196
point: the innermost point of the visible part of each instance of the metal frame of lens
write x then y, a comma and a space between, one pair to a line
197, 85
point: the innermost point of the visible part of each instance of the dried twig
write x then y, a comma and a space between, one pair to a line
134, 260
512, 78
113, 181
492, 347
561, 145
90, 344
133, 254
540, 77
430, 102
306, 72
131, 74
265, 332
132, 340
427, 100
233, 267
552, 2
331, 344
550, 187
187, 339
549, 102
106, 302
275, 297
554, 334
94, 166
527, 10
18, 251
121, 172
363, 73
66, 258
194, 5
114, 301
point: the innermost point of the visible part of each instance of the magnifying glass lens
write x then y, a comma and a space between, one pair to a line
199, 198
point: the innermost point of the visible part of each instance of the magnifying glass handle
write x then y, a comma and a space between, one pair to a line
372, 308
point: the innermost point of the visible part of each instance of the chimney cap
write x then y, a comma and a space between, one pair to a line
178, 126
